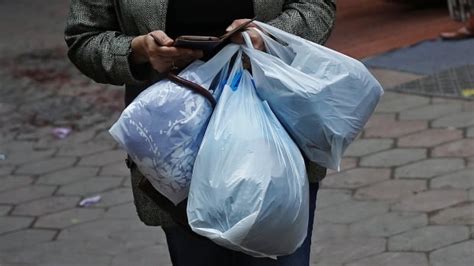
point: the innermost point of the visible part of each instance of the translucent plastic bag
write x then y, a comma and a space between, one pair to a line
163, 127
249, 190
322, 97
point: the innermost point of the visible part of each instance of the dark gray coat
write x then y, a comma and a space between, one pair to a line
99, 35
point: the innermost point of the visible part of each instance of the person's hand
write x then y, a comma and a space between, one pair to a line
257, 40
156, 48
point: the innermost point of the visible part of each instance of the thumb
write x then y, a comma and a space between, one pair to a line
161, 38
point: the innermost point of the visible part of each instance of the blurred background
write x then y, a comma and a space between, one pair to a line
405, 195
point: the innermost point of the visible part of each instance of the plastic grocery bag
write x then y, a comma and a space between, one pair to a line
322, 97
163, 127
249, 190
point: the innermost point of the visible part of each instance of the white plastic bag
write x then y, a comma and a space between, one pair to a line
163, 127
322, 97
249, 190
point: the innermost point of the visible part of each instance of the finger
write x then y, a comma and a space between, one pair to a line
161, 65
239, 22
237, 38
165, 51
257, 40
160, 38
196, 55
183, 62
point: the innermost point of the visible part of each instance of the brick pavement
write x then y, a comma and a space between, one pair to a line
405, 195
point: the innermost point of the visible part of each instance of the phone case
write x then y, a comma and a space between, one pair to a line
207, 43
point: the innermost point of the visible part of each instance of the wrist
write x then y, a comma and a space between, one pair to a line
138, 54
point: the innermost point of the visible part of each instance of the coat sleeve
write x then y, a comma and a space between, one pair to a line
96, 45
309, 19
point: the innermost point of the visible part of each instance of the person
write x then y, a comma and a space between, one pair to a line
462, 10
130, 43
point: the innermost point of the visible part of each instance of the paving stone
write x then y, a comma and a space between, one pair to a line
19, 157
68, 175
116, 169
394, 129
390, 78
457, 120
429, 168
46, 166
350, 211
457, 215
388, 224
462, 180
437, 100
325, 263
347, 249
394, 157
67, 218
10, 223
131, 232
468, 106
324, 232
376, 120
329, 197
27, 193
363, 147
103, 134
391, 190
431, 200
25, 238
428, 238
6, 108
82, 149
140, 236
89, 186
154, 255
470, 132
11, 182
393, 259
430, 138
115, 197
6, 170
355, 178
403, 102
4, 209
15, 146
62, 253
346, 164
471, 194
74, 138
124, 211
460, 148
470, 162
45, 206
430, 112
461, 254
35, 134
104, 158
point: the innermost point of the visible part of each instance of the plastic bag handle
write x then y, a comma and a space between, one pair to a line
279, 34
247, 40
193, 86
214, 65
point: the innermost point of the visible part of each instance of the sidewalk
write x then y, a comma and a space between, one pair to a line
405, 195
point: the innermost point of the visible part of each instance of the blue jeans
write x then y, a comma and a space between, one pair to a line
188, 249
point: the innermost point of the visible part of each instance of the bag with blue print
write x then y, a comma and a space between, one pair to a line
162, 128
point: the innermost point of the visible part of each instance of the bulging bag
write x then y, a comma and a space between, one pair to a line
249, 190
322, 97
163, 127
